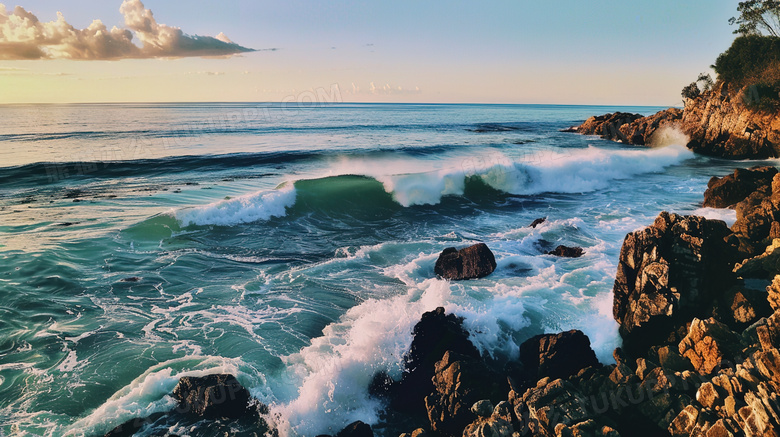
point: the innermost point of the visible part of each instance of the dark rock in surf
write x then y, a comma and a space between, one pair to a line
435, 334
567, 252
472, 262
212, 396
538, 222
731, 189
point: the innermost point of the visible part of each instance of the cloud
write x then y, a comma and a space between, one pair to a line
23, 36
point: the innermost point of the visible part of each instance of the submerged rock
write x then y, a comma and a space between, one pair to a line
472, 262
356, 429
538, 222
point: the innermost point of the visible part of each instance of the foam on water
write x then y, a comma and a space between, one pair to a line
244, 209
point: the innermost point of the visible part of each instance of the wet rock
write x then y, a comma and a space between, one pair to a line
472, 262
356, 429
567, 252
709, 344
731, 189
483, 408
667, 274
538, 222
212, 396
435, 334
497, 423
556, 355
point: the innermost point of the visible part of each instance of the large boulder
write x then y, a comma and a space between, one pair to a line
607, 126
731, 189
567, 252
667, 274
556, 355
212, 396
356, 429
471, 262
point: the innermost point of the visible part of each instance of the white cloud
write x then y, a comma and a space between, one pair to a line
23, 36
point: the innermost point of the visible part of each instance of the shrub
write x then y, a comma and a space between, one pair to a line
691, 91
748, 59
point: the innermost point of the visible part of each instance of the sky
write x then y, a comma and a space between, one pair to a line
555, 52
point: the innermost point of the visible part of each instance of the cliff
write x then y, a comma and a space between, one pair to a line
718, 123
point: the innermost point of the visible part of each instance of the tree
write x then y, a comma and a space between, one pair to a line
703, 83
758, 17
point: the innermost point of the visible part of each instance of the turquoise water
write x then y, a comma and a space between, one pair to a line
294, 247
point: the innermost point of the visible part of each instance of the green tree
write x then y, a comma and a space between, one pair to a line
758, 17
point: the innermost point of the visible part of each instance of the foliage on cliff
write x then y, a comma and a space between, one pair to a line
753, 63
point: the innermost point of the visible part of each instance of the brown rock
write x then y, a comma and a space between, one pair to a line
356, 429
731, 189
557, 355
709, 344
684, 423
766, 265
471, 262
773, 293
212, 396
667, 274
608, 126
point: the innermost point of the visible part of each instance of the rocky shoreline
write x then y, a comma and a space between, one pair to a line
718, 123
698, 304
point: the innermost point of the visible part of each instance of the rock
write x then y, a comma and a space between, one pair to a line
647, 130
719, 124
667, 274
773, 293
741, 307
459, 382
731, 189
567, 252
755, 216
435, 334
483, 408
709, 344
608, 126
356, 429
556, 355
766, 265
496, 424
131, 427
684, 423
212, 396
538, 222
472, 262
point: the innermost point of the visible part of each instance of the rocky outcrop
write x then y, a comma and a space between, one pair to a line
472, 262
567, 252
758, 219
731, 189
356, 429
668, 273
718, 123
629, 128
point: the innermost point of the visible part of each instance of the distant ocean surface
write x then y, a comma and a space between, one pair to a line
294, 247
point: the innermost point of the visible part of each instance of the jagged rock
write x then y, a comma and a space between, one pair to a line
356, 429
472, 262
608, 126
672, 360
684, 423
212, 396
709, 344
459, 382
762, 266
556, 355
567, 252
719, 124
645, 130
731, 189
740, 307
755, 215
435, 334
497, 423
667, 274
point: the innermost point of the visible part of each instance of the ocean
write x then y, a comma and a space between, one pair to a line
293, 246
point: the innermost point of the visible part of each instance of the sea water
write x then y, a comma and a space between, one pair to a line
294, 246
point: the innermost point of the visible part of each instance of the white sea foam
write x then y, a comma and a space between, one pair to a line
243, 209
669, 136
